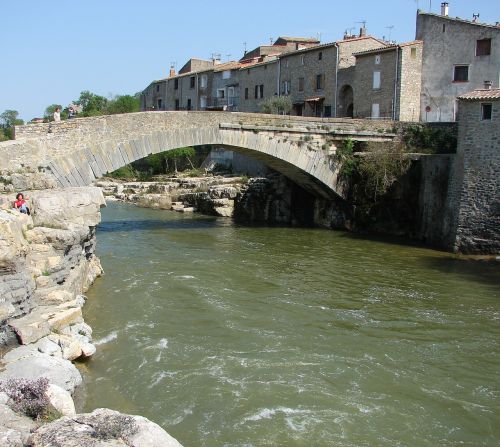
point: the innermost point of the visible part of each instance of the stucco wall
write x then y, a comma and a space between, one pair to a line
449, 42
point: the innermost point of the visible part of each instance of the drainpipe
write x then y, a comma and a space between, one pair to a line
336, 79
395, 85
196, 92
279, 77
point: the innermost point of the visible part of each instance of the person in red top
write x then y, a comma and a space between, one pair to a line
21, 205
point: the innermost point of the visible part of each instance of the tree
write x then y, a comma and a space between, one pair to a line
9, 119
92, 104
176, 155
123, 104
281, 105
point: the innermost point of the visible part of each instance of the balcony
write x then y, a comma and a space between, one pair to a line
230, 103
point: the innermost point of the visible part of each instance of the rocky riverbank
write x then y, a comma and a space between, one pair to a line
273, 199
47, 261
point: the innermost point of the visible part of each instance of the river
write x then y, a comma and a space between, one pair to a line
230, 335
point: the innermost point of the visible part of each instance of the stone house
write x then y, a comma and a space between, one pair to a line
225, 87
387, 82
473, 192
319, 79
153, 97
458, 56
280, 46
258, 82
190, 90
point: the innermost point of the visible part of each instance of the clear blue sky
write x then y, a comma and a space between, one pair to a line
54, 49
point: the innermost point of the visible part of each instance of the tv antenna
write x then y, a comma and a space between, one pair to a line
228, 56
271, 41
390, 28
245, 47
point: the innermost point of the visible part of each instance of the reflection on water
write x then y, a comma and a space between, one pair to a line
235, 336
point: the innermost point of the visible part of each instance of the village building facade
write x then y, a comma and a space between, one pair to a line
387, 82
458, 56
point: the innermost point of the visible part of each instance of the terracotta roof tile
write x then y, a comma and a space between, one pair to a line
481, 94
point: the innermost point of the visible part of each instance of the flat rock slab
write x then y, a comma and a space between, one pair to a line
33, 365
102, 428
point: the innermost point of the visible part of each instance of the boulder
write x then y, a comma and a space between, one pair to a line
67, 208
102, 428
60, 400
14, 428
33, 364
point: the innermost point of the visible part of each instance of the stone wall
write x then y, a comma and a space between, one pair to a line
473, 206
365, 95
409, 82
265, 74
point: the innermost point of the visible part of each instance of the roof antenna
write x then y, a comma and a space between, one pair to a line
228, 57
245, 47
390, 28
271, 41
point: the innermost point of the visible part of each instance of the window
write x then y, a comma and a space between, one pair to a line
285, 88
376, 80
319, 81
159, 104
265, 67
226, 74
189, 104
256, 91
301, 84
377, 59
444, 28
375, 111
192, 81
221, 93
176, 83
320, 55
483, 47
157, 87
203, 81
328, 111
461, 73
203, 102
486, 112
246, 93
302, 60
177, 104
230, 96
261, 90
413, 53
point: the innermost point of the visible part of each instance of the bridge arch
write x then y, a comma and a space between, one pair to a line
312, 172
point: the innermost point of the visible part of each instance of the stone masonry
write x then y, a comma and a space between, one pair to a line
473, 205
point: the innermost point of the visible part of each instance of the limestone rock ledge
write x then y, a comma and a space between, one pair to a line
46, 261
102, 428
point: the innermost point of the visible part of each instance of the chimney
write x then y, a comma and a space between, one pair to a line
172, 71
487, 85
445, 8
362, 32
475, 16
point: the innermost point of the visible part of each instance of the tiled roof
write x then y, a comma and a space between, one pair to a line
481, 94
458, 19
330, 44
388, 48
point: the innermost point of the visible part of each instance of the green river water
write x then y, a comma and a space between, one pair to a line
228, 335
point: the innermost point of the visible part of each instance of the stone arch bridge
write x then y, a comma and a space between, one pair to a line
77, 152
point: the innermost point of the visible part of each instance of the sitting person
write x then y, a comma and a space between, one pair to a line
21, 205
